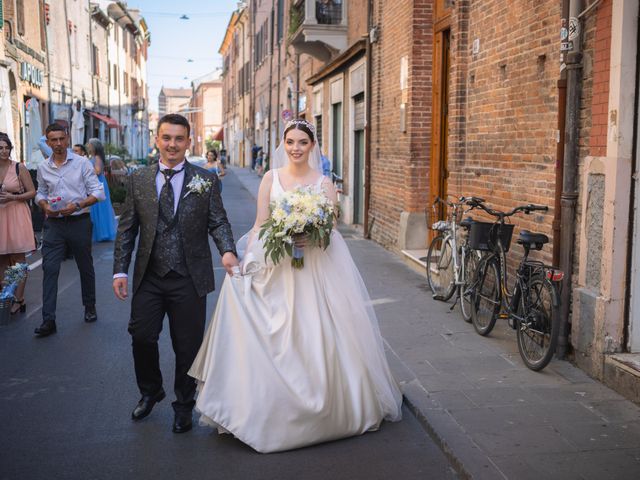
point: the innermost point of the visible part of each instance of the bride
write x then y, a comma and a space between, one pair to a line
294, 357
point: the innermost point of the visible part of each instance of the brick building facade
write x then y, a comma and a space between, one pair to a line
468, 98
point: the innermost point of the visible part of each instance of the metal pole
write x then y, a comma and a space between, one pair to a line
367, 128
569, 196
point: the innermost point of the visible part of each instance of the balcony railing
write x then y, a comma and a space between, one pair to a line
318, 27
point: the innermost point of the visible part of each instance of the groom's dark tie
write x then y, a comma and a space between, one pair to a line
166, 196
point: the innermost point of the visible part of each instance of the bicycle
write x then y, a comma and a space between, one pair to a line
451, 263
531, 307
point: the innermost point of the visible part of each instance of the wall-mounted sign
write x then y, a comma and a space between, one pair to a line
574, 28
31, 74
287, 115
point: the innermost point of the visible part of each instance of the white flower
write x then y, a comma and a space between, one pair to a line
198, 185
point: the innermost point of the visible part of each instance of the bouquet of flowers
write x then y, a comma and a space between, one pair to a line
302, 212
12, 277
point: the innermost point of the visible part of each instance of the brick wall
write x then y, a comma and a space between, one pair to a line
399, 160
503, 120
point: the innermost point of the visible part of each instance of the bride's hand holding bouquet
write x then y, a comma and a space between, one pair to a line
301, 218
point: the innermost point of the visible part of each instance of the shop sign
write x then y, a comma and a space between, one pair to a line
31, 74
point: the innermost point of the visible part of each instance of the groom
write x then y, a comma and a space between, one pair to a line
171, 208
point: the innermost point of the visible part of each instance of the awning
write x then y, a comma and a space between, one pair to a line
111, 122
220, 135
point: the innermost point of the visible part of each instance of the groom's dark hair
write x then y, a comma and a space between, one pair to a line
175, 119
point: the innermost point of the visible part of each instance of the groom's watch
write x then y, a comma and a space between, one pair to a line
78, 207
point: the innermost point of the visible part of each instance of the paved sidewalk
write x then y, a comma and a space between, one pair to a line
492, 416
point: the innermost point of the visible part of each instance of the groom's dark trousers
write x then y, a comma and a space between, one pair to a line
175, 296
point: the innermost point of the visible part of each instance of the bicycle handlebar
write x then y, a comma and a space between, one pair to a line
526, 209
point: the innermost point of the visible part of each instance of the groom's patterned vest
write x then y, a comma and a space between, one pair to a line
167, 253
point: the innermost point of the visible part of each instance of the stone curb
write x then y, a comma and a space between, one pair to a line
465, 456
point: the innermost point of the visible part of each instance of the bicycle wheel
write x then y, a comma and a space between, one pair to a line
539, 329
485, 299
471, 261
440, 273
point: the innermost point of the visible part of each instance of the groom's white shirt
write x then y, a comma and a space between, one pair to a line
176, 183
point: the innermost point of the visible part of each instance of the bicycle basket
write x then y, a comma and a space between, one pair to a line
480, 232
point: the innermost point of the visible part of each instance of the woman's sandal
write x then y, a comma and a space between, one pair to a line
22, 306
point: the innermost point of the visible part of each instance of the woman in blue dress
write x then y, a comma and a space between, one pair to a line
102, 216
214, 165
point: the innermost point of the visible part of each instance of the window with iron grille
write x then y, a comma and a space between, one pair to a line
329, 12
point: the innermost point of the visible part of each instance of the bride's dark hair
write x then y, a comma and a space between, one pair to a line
300, 124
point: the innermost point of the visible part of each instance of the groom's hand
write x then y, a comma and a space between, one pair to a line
120, 287
229, 260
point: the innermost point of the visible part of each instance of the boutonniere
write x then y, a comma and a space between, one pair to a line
198, 185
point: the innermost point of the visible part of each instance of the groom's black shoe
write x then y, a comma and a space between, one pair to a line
90, 314
182, 422
46, 329
146, 404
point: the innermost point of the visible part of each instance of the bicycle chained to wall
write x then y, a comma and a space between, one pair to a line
451, 263
531, 307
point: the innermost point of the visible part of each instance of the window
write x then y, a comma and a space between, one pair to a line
20, 16
318, 119
42, 7
126, 83
280, 19
95, 60
336, 137
74, 47
115, 77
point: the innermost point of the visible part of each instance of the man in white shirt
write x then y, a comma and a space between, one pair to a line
67, 187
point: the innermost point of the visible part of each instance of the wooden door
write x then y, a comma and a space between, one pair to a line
439, 172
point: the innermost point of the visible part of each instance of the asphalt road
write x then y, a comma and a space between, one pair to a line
65, 403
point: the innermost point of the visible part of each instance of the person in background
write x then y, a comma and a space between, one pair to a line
102, 215
16, 230
260, 162
215, 166
254, 155
326, 166
44, 148
80, 149
67, 187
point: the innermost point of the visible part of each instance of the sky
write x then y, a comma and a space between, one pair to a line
174, 41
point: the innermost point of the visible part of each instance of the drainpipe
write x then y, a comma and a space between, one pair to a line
278, 94
632, 203
562, 111
367, 128
93, 80
569, 195
272, 38
297, 107
48, 58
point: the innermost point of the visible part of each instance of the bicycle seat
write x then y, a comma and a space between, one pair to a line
535, 240
466, 222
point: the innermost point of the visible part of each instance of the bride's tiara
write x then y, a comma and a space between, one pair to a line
292, 123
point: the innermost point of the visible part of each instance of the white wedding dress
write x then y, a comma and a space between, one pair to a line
294, 357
